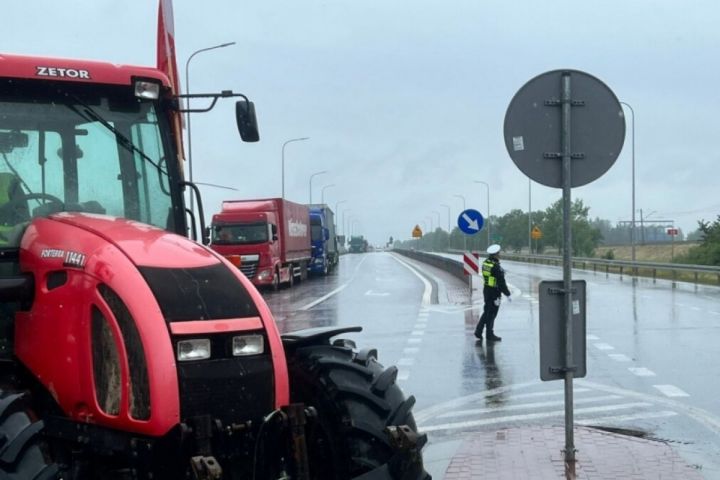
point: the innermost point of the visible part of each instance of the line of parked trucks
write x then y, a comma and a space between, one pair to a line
275, 241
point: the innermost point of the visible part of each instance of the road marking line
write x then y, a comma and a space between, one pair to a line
417, 333
414, 340
428, 287
323, 298
530, 416
403, 375
337, 290
549, 392
671, 391
525, 406
420, 326
619, 357
592, 337
406, 362
714, 312
626, 418
410, 350
603, 346
642, 371
697, 309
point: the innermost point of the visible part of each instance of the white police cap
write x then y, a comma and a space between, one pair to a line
493, 249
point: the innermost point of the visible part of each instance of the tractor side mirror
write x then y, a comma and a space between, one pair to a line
246, 121
273, 231
326, 234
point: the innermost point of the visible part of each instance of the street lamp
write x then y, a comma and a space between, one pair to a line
632, 224
464, 236
311, 177
344, 230
438, 214
322, 193
448, 207
487, 186
529, 217
337, 206
282, 174
187, 104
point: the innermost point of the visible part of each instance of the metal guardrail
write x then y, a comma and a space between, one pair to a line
619, 266
454, 267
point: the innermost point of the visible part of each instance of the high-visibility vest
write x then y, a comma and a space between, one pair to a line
487, 267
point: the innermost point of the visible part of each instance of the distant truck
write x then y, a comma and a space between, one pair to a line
358, 244
269, 239
324, 239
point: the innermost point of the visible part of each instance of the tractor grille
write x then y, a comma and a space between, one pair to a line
232, 389
249, 269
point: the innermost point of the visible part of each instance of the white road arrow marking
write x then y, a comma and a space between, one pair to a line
472, 224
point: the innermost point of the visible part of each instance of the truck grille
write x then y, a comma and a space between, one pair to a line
249, 269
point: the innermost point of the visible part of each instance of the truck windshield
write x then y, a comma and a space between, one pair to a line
94, 149
316, 229
240, 234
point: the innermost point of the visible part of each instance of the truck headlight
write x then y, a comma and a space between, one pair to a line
248, 345
264, 274
195, 349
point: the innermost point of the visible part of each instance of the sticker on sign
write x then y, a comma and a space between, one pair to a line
518, 144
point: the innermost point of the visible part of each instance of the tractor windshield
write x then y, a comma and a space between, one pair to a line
91, 149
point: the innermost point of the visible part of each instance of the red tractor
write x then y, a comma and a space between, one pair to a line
128, 351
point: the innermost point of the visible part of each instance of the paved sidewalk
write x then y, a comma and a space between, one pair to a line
536, 453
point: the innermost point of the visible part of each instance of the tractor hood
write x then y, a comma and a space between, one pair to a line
143, 244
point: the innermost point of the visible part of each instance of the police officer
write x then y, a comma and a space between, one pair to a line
495, 287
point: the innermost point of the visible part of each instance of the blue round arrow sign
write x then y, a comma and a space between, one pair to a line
470, 221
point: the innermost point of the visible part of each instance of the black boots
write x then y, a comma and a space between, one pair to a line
493, 338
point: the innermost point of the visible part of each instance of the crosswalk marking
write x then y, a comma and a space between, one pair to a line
641, 371
530, 416
626, 418
525, 406
603, 346
619, 357
671, 391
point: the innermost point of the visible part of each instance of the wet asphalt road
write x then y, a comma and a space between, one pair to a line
652, 350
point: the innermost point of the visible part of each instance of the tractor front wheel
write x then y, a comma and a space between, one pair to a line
356, 401
22, 455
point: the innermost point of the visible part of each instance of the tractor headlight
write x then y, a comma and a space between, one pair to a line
195, 349
264, 274
248, 345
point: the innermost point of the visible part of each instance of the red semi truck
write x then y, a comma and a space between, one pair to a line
269, 239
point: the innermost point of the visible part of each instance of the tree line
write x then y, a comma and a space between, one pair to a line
511, 231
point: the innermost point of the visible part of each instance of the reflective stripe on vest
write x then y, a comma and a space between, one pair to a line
487, 267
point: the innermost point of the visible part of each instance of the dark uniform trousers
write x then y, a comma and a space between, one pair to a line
490, 310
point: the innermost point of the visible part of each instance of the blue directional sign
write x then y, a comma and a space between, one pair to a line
470, 221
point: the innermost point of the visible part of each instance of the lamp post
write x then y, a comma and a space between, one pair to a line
282, 174
343, 220
337, 206
187, 104
632, 224
448, 208
438, 222
464, 236
311, 177
322, 193
487, 186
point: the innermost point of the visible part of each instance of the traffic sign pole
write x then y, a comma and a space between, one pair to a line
567, 263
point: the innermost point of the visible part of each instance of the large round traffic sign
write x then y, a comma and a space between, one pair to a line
533, 128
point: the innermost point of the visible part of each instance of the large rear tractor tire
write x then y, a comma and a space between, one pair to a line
22, 455
356, 401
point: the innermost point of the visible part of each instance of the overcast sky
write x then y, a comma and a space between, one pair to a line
404, 101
